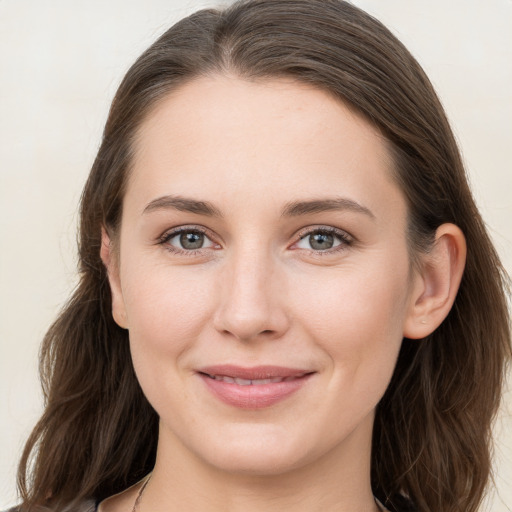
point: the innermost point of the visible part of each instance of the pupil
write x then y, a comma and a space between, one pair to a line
191, 240
321, 241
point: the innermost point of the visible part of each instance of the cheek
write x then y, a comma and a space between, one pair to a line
167, 309
357, 317
166, 306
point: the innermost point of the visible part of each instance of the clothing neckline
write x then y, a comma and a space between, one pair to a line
380, 505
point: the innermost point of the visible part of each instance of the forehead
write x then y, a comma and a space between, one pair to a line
228, 107
278, 137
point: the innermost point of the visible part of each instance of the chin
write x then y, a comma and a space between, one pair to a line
257, 465
263, 455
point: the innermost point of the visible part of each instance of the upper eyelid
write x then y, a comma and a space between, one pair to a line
170, 233
329, 229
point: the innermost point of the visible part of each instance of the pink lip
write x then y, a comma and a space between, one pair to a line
253, 396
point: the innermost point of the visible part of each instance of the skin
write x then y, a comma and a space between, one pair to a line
258, 293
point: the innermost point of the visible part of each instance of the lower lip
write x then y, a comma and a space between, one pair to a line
254, 396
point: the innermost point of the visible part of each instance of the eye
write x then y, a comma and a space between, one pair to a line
323, 239
187, 240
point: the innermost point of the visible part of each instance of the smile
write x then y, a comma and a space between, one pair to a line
249, 382
253, 388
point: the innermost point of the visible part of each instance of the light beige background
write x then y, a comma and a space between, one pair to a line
60, 62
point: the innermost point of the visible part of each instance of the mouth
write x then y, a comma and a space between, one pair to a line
250, 382
253, 388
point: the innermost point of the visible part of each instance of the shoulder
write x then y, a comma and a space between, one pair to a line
87, 506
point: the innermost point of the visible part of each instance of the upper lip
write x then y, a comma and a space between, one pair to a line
252, 373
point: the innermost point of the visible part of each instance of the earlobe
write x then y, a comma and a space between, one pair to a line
110, 261
437, 282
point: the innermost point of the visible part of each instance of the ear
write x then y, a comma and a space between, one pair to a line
436, 283
110, 260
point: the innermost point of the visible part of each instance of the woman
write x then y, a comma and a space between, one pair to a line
287, 297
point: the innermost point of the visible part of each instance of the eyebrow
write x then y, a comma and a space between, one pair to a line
183, 204
297, 208
292, 209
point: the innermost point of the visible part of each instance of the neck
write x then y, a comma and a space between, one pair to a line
336, 481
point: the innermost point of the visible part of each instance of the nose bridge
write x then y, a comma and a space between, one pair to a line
251, 294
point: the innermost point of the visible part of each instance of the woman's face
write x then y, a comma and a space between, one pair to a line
262, 240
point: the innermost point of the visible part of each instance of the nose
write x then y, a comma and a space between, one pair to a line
252, 301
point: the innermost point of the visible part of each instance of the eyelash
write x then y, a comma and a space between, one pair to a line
169, 235
343, 237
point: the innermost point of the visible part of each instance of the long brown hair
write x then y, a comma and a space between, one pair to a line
431, 445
